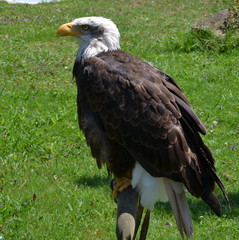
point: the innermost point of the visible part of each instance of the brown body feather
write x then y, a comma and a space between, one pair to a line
131, 111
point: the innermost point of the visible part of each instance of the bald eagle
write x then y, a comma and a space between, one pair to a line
138, 122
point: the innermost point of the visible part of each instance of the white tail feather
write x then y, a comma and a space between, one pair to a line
179, 205
151, 189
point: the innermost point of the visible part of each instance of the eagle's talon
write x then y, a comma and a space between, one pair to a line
121, 184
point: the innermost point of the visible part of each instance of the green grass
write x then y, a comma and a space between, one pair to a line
50, 185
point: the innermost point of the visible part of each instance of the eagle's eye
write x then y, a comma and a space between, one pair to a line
85, 27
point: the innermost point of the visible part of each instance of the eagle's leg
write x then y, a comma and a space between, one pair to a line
122, 183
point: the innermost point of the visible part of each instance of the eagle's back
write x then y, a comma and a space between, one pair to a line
131, 111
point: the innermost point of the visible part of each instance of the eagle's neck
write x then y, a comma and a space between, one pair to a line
92, 47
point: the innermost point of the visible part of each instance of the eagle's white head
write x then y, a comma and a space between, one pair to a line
94, 34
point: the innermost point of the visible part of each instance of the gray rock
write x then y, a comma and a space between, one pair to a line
219, 23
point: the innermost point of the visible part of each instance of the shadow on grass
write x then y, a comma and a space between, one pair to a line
234, 204
93, 181
199, 208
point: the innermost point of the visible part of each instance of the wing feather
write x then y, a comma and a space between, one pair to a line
136, 99
144, 112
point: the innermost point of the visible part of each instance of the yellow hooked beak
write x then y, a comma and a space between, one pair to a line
66, 30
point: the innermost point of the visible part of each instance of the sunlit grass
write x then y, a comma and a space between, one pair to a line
50, 185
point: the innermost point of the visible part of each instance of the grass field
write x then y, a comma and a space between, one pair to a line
50, 185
